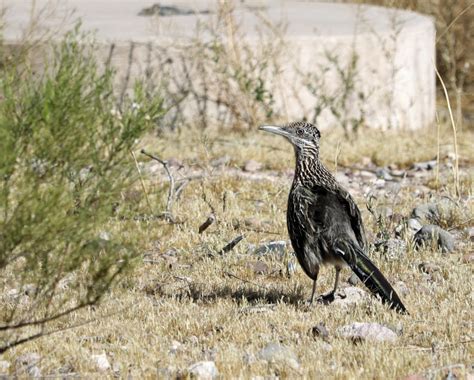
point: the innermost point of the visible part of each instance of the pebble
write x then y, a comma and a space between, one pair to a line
358, 331
401, 288
427, 165
383, 174
259, 267
349, 296
277, 247
193, 339
221, 161
175, 347
101, 362
320, 331
277, 353
413, 226
432, 233
205, 370
433, 212
429, 268
470, 233
468, 258
252, 166
366, 175
4, 365
27, 365
353, 279
392, 248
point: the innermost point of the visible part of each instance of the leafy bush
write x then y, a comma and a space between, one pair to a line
64, 161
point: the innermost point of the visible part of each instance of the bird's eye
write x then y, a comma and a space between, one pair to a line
299, 132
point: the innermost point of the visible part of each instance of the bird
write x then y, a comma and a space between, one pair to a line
324, 223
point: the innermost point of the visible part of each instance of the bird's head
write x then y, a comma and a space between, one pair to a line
304, 136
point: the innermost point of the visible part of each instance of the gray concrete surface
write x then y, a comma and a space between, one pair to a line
395, 49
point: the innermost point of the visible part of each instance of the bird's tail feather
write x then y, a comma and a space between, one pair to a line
371, 276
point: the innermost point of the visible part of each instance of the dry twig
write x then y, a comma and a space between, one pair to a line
169, 204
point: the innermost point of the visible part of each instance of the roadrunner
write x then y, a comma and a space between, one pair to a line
324, 223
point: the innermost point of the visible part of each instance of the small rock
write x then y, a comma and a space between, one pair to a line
277, 353
343, 179
401, 288
205, 370
366, 175
252, 166
320, 331
175, 163
366, 161
101, 362
353, 279
117, 368
27, 365
258, 309
432, 233
468, 258
221, 161
4, 365
413, 226
175, 347
429, 268
434, 212
259, 267
291, 268
349, 296
255, 224
427, 165
358, 331
392, 248
427, 212
379, 183
193, 339
383, 174
104, 235
277, 247
470, 233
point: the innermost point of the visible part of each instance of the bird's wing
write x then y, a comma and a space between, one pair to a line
354, 213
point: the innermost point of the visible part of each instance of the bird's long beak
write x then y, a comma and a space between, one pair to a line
274, 129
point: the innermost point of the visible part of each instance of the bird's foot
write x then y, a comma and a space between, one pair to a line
327, 298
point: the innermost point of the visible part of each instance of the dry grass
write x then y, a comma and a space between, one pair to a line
194, 295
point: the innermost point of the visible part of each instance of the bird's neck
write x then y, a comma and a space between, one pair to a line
310, 171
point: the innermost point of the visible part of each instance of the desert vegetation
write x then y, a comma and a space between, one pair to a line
134, 241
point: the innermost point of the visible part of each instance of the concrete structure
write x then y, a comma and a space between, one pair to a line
341, 64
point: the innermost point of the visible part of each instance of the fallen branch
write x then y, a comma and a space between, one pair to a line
228, 247
203, 227
169, 204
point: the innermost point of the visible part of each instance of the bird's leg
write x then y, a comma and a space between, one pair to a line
329, 297
312, 293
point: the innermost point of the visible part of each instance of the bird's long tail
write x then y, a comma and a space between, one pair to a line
370, 275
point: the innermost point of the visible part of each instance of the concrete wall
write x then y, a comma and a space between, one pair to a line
390, 54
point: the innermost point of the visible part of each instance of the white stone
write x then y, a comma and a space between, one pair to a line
277, 353
4, 365
205, 370
368, 331
101, 362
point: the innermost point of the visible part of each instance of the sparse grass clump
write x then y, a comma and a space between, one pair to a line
64, 163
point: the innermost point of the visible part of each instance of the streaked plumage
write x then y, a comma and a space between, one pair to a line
324, 222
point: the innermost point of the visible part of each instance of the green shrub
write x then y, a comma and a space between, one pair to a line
64, 161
